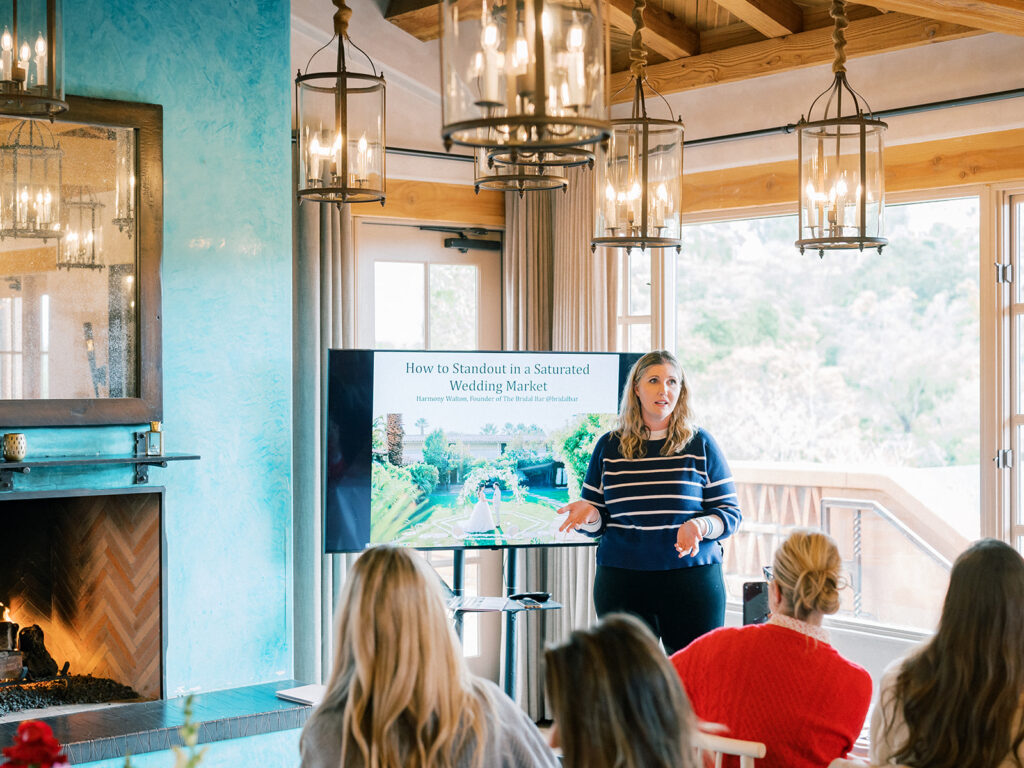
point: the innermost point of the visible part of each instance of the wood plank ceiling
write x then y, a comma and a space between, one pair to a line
696, 43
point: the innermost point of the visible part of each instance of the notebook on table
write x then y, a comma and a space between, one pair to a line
304, 694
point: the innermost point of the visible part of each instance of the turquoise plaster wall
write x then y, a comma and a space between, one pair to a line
220, 68
278, 750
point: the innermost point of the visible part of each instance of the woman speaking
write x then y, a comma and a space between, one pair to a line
660, 495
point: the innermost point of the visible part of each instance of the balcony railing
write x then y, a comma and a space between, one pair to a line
897, 552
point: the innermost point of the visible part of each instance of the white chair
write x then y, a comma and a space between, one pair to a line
711, 745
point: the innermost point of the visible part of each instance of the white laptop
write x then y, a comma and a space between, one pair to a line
304, 694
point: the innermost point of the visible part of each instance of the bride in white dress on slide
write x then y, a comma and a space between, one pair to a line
481, 520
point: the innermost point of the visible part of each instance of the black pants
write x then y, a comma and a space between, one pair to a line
678, 605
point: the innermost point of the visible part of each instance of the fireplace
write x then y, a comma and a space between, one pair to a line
87, 569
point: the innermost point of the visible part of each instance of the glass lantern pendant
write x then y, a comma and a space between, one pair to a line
639, 180
842, 169
523, 73
341, 127
510, 170
32, 59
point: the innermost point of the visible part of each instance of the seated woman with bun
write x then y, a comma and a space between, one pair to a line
615, 700
781, 683
958, 700
400, 694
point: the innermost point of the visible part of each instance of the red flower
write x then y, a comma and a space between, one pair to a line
34, 747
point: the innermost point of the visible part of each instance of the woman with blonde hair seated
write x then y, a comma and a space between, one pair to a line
616, 703
782, 683
957, 701
400, 694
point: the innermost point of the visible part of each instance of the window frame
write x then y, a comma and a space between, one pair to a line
997, 509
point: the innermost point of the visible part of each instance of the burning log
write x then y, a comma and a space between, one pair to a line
38, 660
8, 630
11, 666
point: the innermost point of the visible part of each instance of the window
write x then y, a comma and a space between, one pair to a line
428, 296
845, 393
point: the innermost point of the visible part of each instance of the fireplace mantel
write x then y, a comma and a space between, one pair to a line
141, 463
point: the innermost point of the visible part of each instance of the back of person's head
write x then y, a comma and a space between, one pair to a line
806, 569
399, 677
616, 700
961, 695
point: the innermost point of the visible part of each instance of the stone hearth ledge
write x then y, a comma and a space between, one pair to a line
152, 726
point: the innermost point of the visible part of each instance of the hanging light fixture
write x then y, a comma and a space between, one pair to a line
639, 192
509, 170
32, 59
30, 182
124, 181
842, 170
528, 74
80, 247
341, 127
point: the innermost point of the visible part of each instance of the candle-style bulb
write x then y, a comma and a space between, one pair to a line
6, 42
40, 46
24, 52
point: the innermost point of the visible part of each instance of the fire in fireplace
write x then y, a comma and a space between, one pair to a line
82, 578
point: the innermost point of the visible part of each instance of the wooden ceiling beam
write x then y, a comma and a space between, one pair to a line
772, 18
662, 32
1006, 16
878, 34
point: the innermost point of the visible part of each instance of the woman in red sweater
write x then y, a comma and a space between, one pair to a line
781, 683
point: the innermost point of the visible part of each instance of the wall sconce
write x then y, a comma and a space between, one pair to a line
32, 59
81, 246
523, 73
341, 127
842, 168
639, 192
30, 182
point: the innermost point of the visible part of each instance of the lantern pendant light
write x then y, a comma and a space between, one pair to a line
842, 169
341, 127
526, 74
639, 178
514, 171
32, 59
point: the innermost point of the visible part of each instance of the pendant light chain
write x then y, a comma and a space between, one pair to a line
638, 58
838, 14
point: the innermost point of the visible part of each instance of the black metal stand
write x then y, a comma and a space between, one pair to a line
511, 587
458, 583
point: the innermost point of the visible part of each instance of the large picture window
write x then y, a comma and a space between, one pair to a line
845, 392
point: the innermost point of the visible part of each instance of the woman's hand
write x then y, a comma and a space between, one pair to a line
688, 539
578, 513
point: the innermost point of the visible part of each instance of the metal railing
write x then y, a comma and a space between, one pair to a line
859, 507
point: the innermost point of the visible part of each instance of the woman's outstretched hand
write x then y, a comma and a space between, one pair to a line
577, 513
688, 539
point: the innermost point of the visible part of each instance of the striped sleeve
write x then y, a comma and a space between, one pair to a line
719, 497
593, 488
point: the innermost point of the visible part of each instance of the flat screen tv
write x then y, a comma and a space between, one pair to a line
445, 450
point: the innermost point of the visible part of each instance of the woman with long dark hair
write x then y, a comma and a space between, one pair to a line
957, 702
660, 495
400, 694
616, 703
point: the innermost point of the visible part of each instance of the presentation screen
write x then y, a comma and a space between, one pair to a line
441, 450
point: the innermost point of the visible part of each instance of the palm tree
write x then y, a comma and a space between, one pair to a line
422, 423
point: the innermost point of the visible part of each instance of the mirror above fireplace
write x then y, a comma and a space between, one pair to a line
81, 235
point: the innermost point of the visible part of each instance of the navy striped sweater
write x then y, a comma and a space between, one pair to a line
644, 501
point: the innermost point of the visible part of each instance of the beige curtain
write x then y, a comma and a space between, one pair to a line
323, 317
558, 295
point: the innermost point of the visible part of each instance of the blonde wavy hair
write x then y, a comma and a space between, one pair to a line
631, 430
406, 696
807, 571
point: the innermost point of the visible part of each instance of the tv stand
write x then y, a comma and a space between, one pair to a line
512, 609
